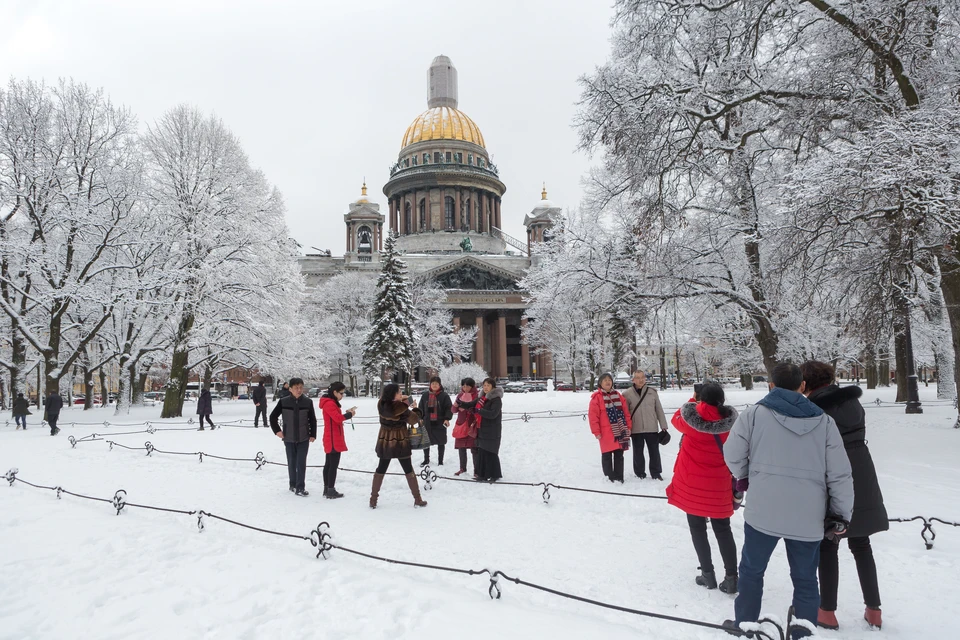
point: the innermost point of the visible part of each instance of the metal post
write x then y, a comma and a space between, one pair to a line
913, 390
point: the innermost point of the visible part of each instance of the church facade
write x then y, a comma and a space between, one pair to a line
444, 203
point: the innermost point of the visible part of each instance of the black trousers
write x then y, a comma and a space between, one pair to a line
728, 546
488, 465
612, 463
653, 445
405, 464
463, 459
261, 410
440, 449
330, 464
297, 463
830, 572
207, 416
52, 421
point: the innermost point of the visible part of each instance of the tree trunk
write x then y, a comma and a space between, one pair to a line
124, 387
870, 366
900, 310
950, 286
141, 382
177, 386
663, 367
88, 387
746, 380
884, 368
676, 355
104, 388
3, 393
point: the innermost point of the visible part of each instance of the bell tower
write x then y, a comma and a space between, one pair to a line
364, 229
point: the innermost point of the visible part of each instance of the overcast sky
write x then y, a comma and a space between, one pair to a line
320, 93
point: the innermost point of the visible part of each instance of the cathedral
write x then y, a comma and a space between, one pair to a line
443, 200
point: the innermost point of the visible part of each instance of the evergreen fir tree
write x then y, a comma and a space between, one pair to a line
391, 339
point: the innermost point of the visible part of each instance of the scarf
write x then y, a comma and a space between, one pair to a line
482, 401
618, 421
432, 406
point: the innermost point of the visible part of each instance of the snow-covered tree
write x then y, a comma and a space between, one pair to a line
343, 306
436, 343
391, 342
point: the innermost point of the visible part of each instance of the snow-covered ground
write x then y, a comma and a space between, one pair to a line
73, 569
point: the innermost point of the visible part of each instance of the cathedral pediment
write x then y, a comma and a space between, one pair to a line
471, 274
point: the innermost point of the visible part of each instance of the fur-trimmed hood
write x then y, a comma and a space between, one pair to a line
843, 405
496, 392
834, 395
689, 414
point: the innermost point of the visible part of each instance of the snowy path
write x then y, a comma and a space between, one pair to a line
72, 569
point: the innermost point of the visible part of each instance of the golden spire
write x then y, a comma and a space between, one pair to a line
363, 191
543, 194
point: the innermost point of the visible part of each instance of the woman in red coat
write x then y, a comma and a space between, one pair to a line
611, 425
334, 442
465, 428
702, 486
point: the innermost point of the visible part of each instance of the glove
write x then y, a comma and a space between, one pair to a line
468, 405
742, 485
835, 528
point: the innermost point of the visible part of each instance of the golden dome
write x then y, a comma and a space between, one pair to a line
443, 123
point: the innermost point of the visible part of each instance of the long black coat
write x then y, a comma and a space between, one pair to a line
205, 404
843, 405
491, 423
436, 430
54, 404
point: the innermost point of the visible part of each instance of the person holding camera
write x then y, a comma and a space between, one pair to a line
792, 455
397, 412
869, 514
334, 442
701, 486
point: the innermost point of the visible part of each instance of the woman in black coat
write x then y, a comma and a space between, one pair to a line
869, 515
490, 411
205, 409
437, 411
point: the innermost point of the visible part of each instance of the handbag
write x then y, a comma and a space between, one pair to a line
663, 437
418, 436
737, 495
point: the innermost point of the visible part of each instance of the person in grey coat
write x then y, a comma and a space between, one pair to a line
648, 419
791, 457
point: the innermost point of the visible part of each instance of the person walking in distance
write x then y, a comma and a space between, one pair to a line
21, 409
299, 430
869, 513
437, 412
205, 409
610, 424
465, 429
396, 412
334, 442
284, 391
53, 406
260, 402
701, 485
800, 485
647, 419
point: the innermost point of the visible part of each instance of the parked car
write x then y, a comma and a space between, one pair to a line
622, 384
79, 399
314, 392
759, 378
243, 396
515, 387
532, 388
565, 386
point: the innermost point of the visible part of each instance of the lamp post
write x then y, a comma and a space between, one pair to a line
913, 389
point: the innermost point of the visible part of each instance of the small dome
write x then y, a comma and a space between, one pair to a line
443, 123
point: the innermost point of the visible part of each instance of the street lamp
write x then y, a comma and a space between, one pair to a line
913, 388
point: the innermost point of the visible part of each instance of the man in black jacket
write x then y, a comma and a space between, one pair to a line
260, 402
299, 430
54, 405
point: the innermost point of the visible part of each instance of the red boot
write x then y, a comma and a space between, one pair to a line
872, 616
827, 619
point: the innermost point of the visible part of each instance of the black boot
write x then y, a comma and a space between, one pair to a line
426, 458
332, 493
707, 579
201, 428
729, 585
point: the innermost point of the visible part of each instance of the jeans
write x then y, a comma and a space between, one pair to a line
405, 464
261, 410
330, 464
21, 421
728, 546
653, 446
803, 557
297, 463
612, 464
830, 572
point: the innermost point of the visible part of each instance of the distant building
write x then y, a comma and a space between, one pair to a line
443, 200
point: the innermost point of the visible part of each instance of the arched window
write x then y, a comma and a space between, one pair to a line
407, 221
423, 214
448, 212
467, 217
364, 240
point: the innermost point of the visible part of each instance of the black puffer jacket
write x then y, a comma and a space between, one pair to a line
491, 423
843, 405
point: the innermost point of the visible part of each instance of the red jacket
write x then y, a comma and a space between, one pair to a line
600, 423
701, 484
333, 420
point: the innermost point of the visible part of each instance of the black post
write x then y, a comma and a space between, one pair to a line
913, 389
